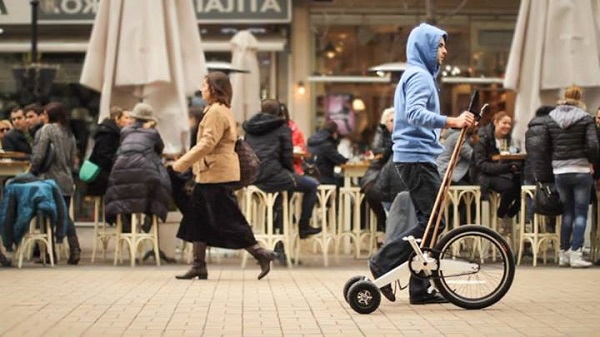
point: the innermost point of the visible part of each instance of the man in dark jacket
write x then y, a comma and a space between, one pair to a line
323, 146
18, 139
271, 138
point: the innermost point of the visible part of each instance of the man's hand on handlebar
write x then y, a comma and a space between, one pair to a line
465, 119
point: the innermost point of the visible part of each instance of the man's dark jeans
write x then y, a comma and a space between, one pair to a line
423, 181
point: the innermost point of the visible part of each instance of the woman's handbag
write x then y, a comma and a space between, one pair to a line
49, 158
88, 171
547, 200
249, 163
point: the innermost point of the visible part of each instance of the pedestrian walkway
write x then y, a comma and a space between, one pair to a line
102, 300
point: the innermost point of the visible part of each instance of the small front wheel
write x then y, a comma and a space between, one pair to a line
476, 267
364, 297
350, 283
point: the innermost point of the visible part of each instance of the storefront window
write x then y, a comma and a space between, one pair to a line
343, 55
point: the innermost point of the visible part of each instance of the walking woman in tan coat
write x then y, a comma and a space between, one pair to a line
213, 217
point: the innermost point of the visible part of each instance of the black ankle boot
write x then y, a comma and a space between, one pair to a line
198, 265
74, 250
201, 274
264, 258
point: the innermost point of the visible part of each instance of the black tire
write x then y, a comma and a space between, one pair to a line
364, 297
496, 266
349, 284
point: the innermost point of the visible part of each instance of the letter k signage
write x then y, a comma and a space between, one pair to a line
3, 10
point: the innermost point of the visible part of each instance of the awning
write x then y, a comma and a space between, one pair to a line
65, 46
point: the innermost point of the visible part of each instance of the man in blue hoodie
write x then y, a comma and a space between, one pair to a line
417, 126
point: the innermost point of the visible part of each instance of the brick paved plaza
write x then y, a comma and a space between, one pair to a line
102, 300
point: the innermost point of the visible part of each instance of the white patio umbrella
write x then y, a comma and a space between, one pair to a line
147, 50
246, 87
556, 44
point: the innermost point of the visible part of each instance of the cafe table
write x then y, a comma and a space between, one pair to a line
10, 168
510, 156
354, 170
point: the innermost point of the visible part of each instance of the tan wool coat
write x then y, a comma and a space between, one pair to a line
213, 157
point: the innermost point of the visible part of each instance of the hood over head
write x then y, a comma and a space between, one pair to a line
262, 123
422, 47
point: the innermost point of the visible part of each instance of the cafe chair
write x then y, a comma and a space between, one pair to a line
258, 209
349, 220
135, 237
324, 216
103, 232
41, 234
536, 232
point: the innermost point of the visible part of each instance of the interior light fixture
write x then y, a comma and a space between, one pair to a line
300, 88
358, 104
329, 50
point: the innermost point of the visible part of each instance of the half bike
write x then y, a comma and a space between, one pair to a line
472, 266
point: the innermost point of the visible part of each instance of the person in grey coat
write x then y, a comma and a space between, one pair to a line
139, 182
62, 163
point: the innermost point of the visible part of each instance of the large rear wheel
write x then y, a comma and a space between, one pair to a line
490, 271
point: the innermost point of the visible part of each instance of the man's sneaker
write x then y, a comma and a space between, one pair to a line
564, 258
388, 292
434, 298
576, 259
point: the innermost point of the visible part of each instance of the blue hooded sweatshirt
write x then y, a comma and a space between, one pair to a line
418, 121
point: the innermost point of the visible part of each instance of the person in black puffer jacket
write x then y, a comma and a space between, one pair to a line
271, 138
139, 182
571, 133
538, 152
107, 139
323, 146
382, 149
503, 177
538, 155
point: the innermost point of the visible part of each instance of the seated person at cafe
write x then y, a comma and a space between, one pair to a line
138, 181
36, 118
323, 147
270, 137
18, 139
382, 150
5, 126
501, 176
461, 175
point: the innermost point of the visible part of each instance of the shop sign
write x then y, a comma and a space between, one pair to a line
207, 11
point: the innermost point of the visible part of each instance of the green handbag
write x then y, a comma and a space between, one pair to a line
88, 171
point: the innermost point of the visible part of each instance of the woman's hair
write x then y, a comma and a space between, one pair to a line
5, 123
219, 87
574, 92
499, 115
573, 96
385, 115
116, 112
330, 126
285, 113
57, 113
271, 107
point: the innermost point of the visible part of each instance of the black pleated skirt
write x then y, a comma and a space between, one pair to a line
213, 216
